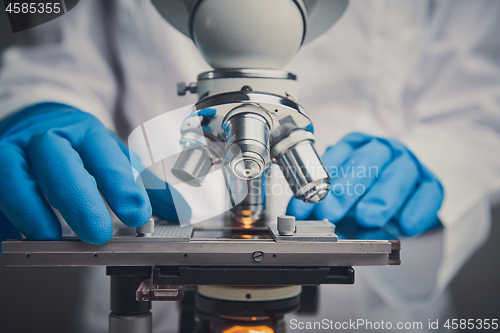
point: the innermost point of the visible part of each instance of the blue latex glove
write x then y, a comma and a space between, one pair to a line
54, 155
376, 180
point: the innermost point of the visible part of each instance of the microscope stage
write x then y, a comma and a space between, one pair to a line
197, 246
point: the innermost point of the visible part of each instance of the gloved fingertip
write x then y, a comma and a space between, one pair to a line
93, 226
137, 218
98, 238
411, 226
300, 209
137, 211
369, 215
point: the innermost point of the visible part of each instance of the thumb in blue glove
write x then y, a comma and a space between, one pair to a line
54, 155
379, 179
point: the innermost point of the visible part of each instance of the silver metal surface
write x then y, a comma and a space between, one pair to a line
286, 225
247, 141
247, 73
314, 227
146, 230
302, 167
258, 256
307, 231
284, 115
247, 80
164, 233
173, 245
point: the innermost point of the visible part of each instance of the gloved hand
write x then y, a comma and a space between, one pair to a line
54, 155
376, 180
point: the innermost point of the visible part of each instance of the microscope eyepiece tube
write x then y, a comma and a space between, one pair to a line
247, 143
302, 167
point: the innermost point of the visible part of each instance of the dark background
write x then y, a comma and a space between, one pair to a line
475, 289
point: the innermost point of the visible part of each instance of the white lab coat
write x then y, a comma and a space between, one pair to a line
424, 72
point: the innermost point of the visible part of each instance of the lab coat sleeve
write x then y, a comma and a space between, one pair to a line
456, 134
66, 60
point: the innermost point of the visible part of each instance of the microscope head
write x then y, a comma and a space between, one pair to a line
254, 109
250, 33
254, 114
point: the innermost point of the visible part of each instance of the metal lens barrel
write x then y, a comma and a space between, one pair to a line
247, 143
302, 167
193, 165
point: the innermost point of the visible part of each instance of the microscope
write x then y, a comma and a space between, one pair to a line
247, 277
253, 103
